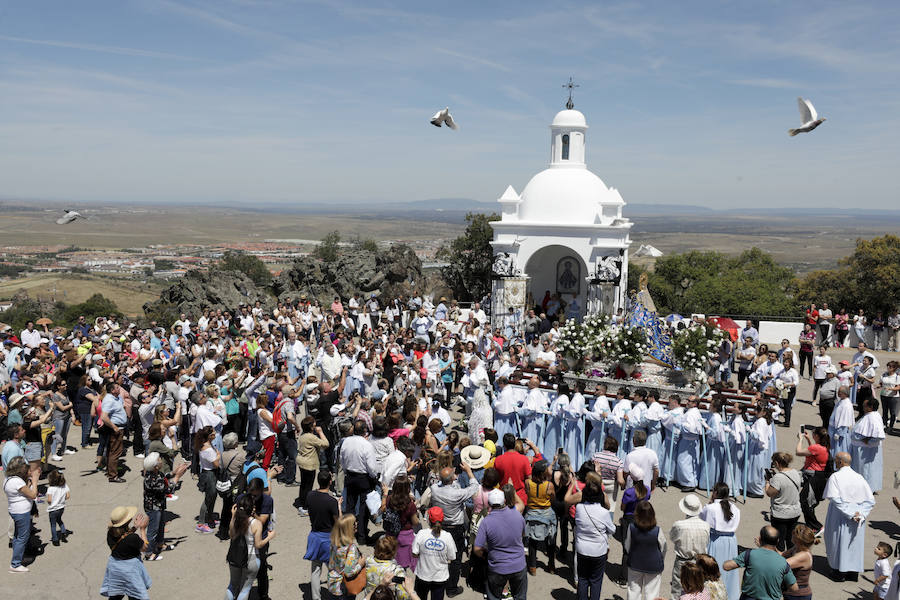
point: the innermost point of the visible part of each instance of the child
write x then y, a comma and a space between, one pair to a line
57, 495
693, 583
712, 577
882, 570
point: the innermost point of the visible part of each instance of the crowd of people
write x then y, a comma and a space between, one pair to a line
458, 452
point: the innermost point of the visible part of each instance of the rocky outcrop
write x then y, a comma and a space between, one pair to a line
390, 272
383, 273
214, 289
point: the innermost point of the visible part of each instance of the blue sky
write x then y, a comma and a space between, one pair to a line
277, 101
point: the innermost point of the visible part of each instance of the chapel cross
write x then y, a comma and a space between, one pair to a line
571, 87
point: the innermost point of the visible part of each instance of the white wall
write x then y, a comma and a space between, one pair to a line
772, 332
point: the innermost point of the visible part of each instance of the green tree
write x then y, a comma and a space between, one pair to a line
163, 264
327, 250
866, 279
470, 257
247, 264
97, 305
369, 245
715, 283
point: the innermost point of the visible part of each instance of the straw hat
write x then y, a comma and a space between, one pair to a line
690, 505
14, 400
120, 515
475, 456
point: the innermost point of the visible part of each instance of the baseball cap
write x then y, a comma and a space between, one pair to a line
844, 362
496, 498
436, 514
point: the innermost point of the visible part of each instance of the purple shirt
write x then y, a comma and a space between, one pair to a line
500, 534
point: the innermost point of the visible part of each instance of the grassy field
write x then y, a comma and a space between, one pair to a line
129, 295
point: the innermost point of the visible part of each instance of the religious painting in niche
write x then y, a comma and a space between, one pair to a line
568, 275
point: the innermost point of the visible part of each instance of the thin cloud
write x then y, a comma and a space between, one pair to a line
99, 48
474, 59
768, 82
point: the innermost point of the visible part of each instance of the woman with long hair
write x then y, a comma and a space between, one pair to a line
346, 558
645, 548
400, 520
593, 526
723, 517
209, 458
800, 560
712, 577
789, 381
244, 525
540, 520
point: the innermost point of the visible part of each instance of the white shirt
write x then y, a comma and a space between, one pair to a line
820, 363
869, 425
442, 414
32, 339
358, 456
889, 381
646, 459
393, 466
506, 402
769, 370
18, 503
712, 514
692, 422
858, 358
536, 400
435, 554
205, 416
593, 526
789, 377
547, 356
849, 486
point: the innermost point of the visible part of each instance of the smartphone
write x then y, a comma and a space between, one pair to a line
559, 450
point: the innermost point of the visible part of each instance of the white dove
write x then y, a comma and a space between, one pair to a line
444, 116
808, 116
70, 216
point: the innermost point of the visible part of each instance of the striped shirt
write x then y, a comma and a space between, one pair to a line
609, 464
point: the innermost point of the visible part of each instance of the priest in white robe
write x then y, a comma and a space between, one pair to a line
597, 416
841, 423
850, 501
865, 445
573, 435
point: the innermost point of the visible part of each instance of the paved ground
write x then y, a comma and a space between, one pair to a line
196, 568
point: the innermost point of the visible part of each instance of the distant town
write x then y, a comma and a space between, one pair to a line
169, 261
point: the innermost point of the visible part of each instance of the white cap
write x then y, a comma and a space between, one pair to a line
496, 498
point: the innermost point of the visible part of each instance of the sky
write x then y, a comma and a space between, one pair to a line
243, 101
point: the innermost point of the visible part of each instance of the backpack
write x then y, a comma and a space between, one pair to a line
223, 481
239, 485
391, 522
237, 552
278, 416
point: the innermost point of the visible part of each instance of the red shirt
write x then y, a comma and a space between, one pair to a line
515, 466
817, 459
812, 317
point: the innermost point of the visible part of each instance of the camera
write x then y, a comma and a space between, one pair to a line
769, 473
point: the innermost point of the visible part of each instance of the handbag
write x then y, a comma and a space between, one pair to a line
357, 583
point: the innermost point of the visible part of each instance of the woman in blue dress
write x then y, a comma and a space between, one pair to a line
760, 457
573, 434
723, 517
737, 448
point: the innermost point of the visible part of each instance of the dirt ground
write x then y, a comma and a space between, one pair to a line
196, 567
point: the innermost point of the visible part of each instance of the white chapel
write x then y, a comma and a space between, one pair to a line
564, 235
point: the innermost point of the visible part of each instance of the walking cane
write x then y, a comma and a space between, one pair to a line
705, 458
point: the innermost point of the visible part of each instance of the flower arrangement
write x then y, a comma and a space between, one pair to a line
693, 347
573, 342
630, 345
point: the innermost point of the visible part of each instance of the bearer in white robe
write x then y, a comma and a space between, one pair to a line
505, 405
573, 435
850, 501
687, 455
617, 426
535, 407
841, 423
597, 416
865, 445
652, 422
671, 422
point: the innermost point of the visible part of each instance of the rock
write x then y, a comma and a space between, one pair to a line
387, 273
210, 289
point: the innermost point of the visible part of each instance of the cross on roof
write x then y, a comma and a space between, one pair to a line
571, 87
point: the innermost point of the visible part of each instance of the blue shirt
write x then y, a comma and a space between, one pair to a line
115, 408
500, 534
11, 449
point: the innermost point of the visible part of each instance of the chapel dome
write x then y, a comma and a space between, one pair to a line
569, 196
569, 118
